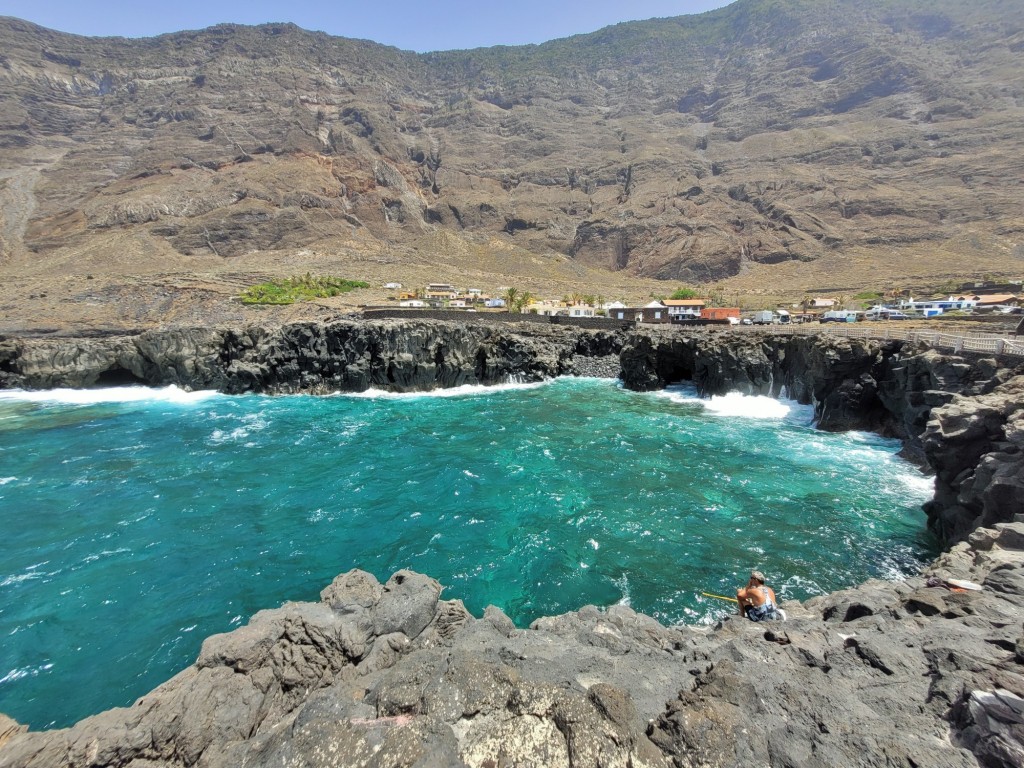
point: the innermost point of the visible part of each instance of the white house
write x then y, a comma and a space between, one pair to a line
932, 307
393, 286
820, 304
545, 307
413, 303
684, 309
440, 291
494, 303
581, 310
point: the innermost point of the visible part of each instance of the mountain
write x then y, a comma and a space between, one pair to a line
785, 145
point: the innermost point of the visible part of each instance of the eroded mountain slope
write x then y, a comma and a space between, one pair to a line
872, 140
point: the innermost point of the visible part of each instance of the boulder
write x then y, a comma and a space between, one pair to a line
406, 604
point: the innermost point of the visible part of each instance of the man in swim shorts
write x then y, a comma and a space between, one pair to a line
757, 602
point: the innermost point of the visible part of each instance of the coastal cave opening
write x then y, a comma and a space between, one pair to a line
675, 371
679, 377
119, 377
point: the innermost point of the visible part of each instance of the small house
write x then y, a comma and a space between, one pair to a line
581, 310
440, 291
721, 315
684, 309
545, 307
819, 303
654, 313
933, 307
997, 300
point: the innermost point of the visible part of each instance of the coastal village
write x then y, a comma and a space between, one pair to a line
686, 307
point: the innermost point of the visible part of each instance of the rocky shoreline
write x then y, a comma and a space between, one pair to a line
906, 673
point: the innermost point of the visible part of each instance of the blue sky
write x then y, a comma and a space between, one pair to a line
419, 25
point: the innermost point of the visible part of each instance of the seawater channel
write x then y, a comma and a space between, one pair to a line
137, 522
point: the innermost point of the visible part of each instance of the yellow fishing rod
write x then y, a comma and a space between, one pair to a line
721, 597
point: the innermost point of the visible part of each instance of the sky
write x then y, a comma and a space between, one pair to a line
418, 25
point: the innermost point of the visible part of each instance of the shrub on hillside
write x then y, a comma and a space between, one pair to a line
300, 288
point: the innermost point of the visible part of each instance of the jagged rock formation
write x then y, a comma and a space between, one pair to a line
977, 446
887, 674
682, 149
350, 356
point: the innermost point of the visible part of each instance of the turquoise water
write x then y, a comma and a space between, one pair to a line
137, 522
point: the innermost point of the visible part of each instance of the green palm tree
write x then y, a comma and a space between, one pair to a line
511, 297
523, 299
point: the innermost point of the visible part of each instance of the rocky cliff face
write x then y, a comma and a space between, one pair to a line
977, 447
345, 356
683, 149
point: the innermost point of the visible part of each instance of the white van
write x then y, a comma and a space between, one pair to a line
884, 313
839, 316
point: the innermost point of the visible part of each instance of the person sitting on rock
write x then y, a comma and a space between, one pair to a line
757, 602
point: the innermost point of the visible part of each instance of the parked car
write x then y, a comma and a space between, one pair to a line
747, 321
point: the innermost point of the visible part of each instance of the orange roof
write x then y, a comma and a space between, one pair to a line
683, 302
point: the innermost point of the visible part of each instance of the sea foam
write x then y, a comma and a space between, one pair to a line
738, 405
170, 394
466, 390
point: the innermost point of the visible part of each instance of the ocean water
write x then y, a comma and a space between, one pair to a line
137, 522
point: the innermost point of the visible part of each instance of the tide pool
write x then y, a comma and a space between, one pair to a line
137, 522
